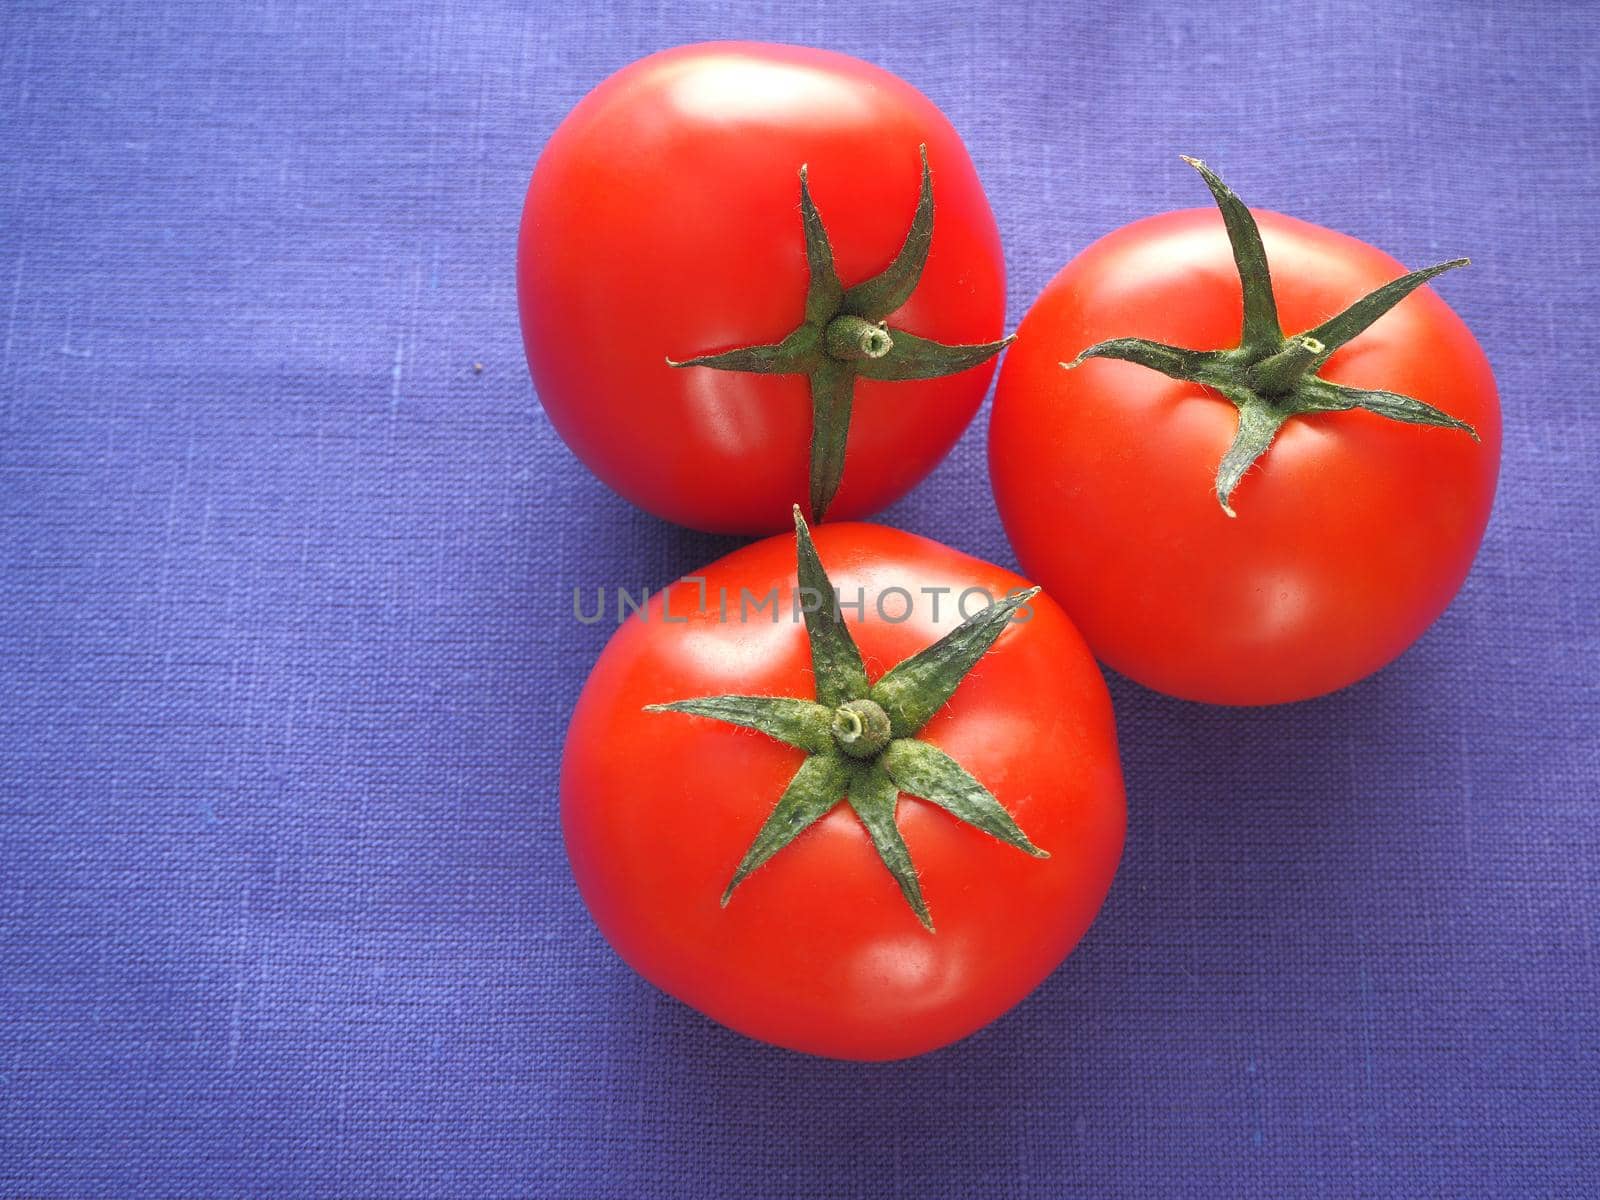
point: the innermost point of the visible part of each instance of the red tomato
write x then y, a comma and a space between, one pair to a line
818, 949
663, 221
1353, 532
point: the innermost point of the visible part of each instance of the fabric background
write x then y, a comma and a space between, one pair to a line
285, 643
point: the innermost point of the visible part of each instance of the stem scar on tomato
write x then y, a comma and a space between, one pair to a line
845, 335
860, 738
1269, 377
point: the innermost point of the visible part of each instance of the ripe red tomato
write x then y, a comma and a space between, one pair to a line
825, 946
663, 221
1353, 532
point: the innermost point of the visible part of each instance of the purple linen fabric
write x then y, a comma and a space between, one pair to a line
286, 645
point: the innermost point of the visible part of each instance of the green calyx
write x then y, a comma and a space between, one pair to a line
844, 336
1269, 377
860, 737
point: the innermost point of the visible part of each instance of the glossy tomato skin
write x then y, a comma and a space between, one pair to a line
1353, 532
817, 950
663, 220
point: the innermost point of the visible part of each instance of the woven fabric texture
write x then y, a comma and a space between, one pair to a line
286, 644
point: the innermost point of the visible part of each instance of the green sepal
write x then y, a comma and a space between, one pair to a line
875, 798
1259, 423
922, 769
1261, 332
1321, 395
825, 293
797, 354
817, 786
913, 357
835, 659
1336, 331
919, 686
1175, 362
886, 291
833, 389
803, 724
